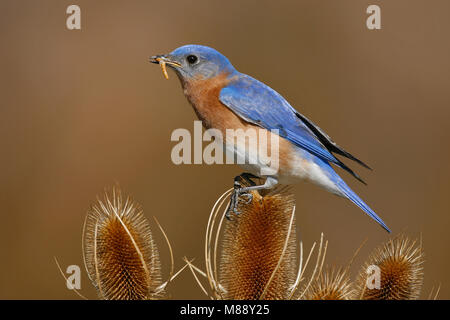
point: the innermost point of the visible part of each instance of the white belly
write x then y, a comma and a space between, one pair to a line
299, 167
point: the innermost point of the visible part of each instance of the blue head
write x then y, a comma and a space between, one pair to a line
195, 62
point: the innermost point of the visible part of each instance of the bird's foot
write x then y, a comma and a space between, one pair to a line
239, 192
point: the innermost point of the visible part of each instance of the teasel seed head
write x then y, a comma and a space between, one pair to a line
400, 262
120, 255
331, 284
258, 257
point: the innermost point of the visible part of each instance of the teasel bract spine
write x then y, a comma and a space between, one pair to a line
332, 284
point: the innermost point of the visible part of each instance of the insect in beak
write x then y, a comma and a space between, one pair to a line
163, 61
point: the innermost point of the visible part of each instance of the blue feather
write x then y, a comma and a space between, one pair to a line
349, 193
353, 197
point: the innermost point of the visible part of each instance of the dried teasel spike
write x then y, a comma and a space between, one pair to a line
120, 256
321, 253
331, 284
436, 294
194, 269
258, 256
400, 261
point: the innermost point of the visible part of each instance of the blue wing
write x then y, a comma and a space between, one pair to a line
257, 103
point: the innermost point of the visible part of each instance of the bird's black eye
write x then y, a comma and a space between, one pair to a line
191, 59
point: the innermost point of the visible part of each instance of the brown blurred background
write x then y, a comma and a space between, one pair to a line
81, 110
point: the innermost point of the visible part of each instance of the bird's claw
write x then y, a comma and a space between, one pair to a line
238, 193
249, 196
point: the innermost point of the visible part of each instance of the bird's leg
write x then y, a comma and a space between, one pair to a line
247, 177
234, 199
245, 191
244, 177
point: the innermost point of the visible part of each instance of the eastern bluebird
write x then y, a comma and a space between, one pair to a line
223, 98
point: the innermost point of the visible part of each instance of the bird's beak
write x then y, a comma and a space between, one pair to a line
164, 60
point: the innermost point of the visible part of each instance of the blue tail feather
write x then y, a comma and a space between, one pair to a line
349, 193
352, 196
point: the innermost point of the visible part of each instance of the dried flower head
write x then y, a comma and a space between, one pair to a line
331, 284
400, 262
120, 256
258, 257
